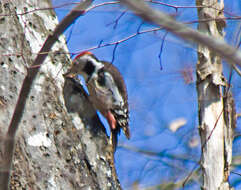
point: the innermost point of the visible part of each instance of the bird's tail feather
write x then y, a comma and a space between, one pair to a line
114, 138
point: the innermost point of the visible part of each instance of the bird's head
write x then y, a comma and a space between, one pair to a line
85, 64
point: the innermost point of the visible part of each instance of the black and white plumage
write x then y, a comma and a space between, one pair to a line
107, 91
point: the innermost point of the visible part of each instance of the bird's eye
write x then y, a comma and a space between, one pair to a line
88, 62
101, 77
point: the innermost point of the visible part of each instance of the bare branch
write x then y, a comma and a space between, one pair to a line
101, 44
231, 54
161, 49
237, 70
157, 155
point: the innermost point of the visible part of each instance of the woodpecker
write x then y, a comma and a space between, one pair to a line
107, 91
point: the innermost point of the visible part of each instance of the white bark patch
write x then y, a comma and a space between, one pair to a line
2, 87
52, 184
77, 121
37, 40
20, 68
39, 139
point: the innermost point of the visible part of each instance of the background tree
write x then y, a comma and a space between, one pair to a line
216, 107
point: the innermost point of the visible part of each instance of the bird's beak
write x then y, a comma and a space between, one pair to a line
69, 75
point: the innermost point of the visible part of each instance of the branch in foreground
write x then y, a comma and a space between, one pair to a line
26, 87
231, 54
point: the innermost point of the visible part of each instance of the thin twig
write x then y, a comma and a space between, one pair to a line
236, 69
161, 49
116, 21
231, 54
101, 45
114, 50
41, 9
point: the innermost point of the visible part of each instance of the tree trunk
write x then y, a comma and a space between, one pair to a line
215, 125
60, 144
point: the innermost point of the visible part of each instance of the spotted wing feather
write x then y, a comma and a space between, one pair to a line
120, 107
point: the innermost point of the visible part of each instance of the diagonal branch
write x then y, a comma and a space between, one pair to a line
231, 54
26, 87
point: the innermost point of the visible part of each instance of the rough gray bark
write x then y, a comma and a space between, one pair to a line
215, 122
54, 149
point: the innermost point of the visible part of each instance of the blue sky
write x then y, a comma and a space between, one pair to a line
158, 92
